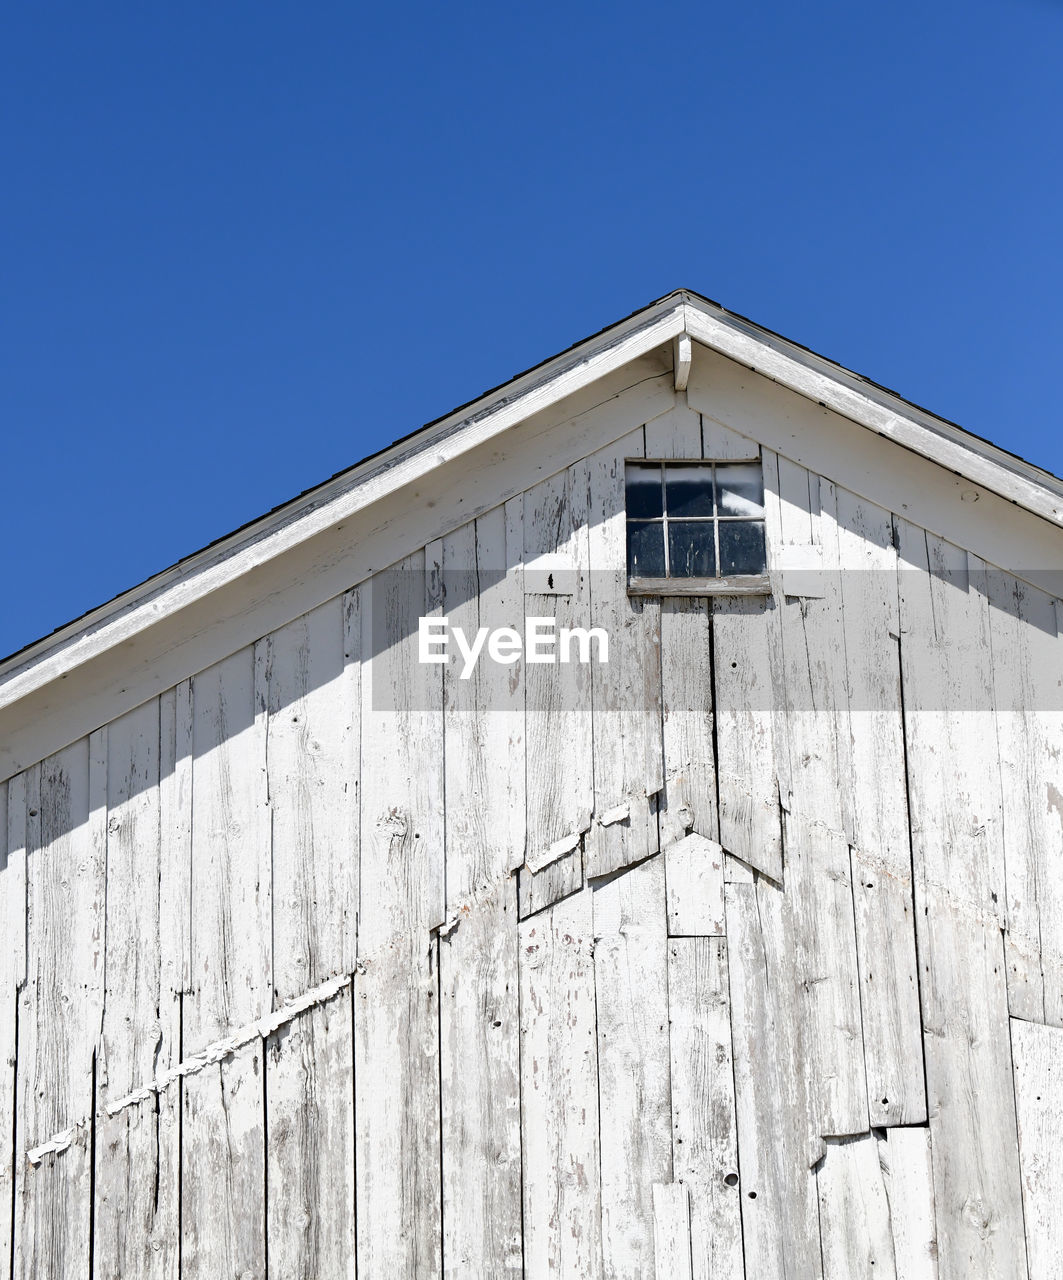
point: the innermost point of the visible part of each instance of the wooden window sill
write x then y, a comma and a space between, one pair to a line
751, 584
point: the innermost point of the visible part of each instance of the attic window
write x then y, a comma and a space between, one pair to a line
691, 523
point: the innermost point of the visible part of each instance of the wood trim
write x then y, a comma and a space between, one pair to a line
746, 585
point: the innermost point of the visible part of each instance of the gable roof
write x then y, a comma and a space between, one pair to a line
682, 312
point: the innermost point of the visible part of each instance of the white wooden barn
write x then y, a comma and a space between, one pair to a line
739, 954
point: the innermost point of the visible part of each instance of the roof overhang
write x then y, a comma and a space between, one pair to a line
195, 579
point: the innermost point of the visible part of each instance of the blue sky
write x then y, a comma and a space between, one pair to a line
245, 245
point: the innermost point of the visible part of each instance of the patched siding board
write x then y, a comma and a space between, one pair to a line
1038, 1052
854, 1213
704, 1128
776, 1146
631, 1012
559, 1093
309, 1141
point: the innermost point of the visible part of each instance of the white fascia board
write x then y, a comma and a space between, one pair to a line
828, 384
330, 504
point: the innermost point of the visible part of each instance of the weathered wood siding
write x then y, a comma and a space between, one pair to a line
739, 956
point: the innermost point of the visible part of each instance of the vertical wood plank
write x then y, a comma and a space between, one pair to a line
626, 690
175, 940
231, 971
704, 1129
223, 1201
484, 714
689, 797
671, 1231
312, 755
854, 1213
877, 811
631, 1000
62, 1004
694, 874
479, 1014
824, 959
559, 1094
313, 704
676, 433
402, 892
310, 1144
1029, 724
12, 889
480, 1026
955, 799
750, 818
780, 1215
1038, 1052
904, 1156
135, 1226
559, 735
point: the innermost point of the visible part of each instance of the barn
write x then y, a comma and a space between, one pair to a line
616, 831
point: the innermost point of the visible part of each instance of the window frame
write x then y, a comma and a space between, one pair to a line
734, 585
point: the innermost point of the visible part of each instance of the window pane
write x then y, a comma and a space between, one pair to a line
643, 491
740, 489
742, 547
689, 490
691, 550
645, 550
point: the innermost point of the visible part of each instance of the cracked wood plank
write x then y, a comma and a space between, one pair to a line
671, 1231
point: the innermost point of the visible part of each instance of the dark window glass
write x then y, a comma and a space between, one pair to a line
644, 492
691, 549
741, 547
645, 549
689, 490
740, 490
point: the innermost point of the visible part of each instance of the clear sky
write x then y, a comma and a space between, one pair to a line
246, 244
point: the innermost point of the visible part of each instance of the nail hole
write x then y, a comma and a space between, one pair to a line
731, 1179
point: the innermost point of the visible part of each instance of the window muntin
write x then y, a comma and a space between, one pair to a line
695, 519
